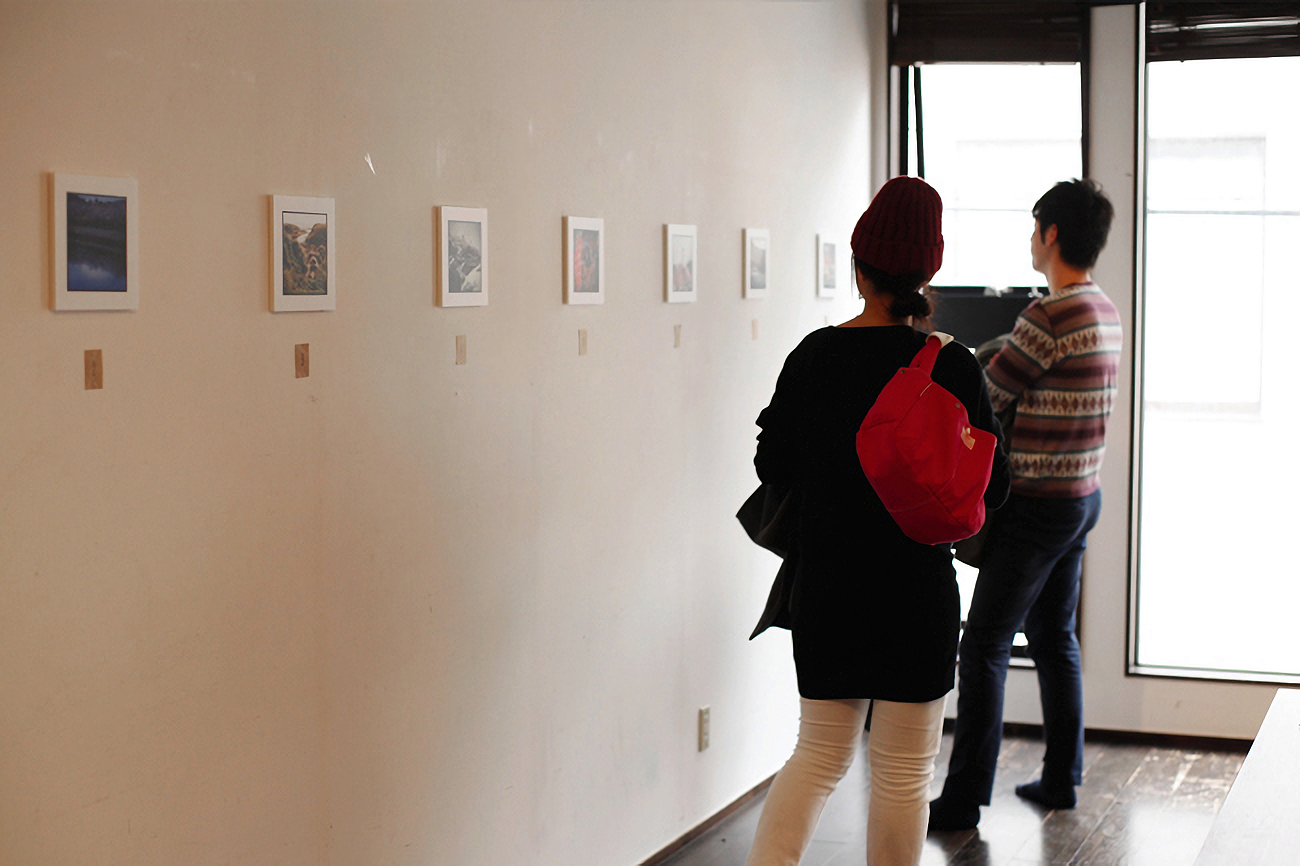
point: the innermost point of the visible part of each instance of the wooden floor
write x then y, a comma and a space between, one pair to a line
1139, 805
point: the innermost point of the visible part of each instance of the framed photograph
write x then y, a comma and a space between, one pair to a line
462, 257
96, 243
584, 260
827, 267
679, 264
303, 242
754, 261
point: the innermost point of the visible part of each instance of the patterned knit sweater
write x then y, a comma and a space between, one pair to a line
1062, 366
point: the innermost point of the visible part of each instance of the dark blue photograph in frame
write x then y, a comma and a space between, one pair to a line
94, 224
97, 246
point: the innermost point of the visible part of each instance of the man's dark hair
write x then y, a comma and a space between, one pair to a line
1082, 215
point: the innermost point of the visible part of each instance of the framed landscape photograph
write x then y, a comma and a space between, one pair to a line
584, 260
679, 264
462, 257
303, 242
827, 267
96, 243
754, 261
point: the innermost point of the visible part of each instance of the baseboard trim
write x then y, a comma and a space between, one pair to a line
709, 823
1132, 738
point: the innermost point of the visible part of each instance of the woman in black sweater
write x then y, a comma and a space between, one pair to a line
874, 615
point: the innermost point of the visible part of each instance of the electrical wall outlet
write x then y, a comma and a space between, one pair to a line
704, 728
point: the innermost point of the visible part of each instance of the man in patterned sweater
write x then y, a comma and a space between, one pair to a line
1060, 368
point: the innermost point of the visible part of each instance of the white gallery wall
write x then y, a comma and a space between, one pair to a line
402, 611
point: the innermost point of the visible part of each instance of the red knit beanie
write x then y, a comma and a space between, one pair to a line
901, 232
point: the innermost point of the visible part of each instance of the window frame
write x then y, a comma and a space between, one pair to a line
925, 32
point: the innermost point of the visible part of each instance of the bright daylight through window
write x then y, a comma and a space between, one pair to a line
1216, 581
997, 136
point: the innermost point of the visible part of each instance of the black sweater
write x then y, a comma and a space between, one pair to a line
875, 614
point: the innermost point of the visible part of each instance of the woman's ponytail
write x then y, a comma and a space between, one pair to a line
907, 291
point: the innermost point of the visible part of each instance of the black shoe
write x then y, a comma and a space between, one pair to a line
1035, 792
946, 816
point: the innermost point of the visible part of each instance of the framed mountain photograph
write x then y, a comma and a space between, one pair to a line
303, 249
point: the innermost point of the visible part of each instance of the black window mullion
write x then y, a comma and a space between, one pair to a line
904, 124
920, 122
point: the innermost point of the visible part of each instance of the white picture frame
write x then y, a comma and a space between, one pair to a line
304, 239
96, 243
755, 261
584, 260
462, 256
681, 264
827, 267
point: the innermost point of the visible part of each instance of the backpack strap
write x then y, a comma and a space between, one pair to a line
929, 353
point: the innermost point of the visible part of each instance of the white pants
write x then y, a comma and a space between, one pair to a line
904, 741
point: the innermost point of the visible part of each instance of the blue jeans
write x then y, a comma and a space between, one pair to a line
1030, 575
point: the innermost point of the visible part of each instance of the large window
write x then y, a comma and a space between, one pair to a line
988, 98
989, 103
991, 138
1217, 586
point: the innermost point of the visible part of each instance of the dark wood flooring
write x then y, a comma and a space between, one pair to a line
1139, 805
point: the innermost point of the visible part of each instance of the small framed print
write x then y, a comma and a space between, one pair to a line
462, 257
754, 261
96, 243
303, 246
584, 260
827, 267
679, 264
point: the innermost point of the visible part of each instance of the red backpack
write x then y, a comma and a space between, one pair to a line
924, 460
